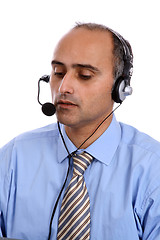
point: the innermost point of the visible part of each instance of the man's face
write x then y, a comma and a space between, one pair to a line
82, 77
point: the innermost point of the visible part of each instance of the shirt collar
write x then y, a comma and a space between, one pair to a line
103, 149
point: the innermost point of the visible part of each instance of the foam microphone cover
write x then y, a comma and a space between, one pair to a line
48, 109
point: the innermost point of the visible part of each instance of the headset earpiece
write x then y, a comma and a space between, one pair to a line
116, 91
122, 87
120, 90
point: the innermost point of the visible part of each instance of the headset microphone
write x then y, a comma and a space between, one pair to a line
48, 108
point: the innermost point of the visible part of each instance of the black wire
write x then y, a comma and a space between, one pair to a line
55, 206
63, 139
98, 126
39, 92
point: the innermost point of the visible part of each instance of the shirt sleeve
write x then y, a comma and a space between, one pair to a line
151, 215
5, 173
150, 207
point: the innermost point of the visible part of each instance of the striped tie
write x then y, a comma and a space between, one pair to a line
74, 219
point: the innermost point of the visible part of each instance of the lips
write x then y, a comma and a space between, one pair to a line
65, 104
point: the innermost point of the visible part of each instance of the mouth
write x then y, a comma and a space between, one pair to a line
66, 104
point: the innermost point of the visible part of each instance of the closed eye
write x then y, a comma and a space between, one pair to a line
59, 74
85, 77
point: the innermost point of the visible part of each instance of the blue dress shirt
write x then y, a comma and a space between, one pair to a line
123, 182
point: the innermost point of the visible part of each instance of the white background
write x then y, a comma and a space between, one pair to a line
29, 31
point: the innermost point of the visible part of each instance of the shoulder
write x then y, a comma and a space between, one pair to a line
136, 139
43, 132
28, 147
31, 137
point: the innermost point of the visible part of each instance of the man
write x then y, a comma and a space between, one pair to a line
122, 177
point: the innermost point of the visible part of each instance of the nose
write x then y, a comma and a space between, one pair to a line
66, 85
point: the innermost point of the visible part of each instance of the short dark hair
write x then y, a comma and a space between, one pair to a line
118, 51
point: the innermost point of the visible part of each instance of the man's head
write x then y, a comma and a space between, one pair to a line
86, 62
118, 51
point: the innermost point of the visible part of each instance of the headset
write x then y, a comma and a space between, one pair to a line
121, 88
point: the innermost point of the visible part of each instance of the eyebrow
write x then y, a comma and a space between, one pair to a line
54, 62
88, 66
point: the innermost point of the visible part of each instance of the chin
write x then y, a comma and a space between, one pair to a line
66, 119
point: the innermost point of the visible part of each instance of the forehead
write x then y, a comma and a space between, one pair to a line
85, 46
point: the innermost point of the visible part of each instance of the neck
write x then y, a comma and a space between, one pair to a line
91, 133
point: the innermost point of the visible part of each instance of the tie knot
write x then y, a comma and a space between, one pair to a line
81, 162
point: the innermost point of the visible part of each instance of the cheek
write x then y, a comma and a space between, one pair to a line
99, 94
53, 88
99, 101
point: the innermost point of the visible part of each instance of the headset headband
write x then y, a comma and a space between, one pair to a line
127, 56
